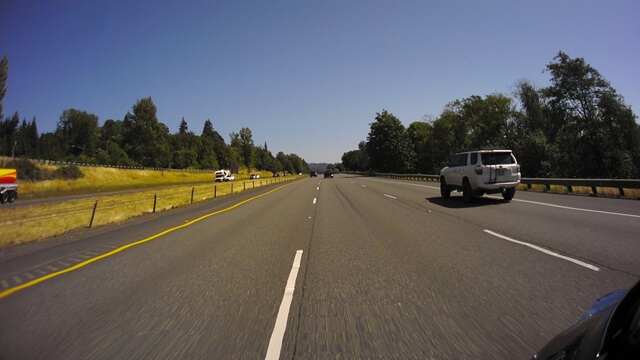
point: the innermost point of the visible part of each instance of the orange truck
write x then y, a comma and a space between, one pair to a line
8, 186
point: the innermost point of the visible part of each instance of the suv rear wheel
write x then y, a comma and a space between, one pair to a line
467, 193
444, 190
508, 194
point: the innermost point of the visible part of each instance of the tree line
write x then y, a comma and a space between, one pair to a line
578, 127
139, 139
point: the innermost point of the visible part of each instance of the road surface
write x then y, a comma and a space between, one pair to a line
387, 270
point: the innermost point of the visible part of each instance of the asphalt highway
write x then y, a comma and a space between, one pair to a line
387, 270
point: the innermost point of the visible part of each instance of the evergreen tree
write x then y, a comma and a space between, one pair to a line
145, 137
183, 129
4, 72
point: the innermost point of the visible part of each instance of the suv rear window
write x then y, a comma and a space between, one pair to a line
497, 158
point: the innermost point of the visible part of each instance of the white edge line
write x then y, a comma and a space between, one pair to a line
275, 344
314, 200
389, 196
578, 262
577, 209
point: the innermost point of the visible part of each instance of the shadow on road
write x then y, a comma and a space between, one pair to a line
456, 202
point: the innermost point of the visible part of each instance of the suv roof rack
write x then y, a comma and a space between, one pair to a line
487, 148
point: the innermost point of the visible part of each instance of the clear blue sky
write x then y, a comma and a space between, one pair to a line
307, 77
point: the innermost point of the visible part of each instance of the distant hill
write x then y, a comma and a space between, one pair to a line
318, 166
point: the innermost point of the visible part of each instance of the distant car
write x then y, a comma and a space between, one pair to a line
328, 174
609, 330
254, 176
481, 171
276, 175
313, 173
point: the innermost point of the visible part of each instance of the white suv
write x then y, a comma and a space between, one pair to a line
481, 171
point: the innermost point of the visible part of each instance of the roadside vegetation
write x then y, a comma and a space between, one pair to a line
577, 127
42, 181
30, 223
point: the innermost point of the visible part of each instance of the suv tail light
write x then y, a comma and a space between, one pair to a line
478, 169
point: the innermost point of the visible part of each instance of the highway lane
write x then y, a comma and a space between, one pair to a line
210, 290
388, 271
400, 278
606, 234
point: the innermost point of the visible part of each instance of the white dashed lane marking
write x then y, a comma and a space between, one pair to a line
543, 250
275, 344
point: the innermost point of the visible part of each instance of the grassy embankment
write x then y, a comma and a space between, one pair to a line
29, 223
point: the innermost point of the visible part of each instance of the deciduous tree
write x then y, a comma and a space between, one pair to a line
388, 145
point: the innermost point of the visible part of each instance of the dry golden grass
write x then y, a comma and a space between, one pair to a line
100, 180
30, 223
97, 180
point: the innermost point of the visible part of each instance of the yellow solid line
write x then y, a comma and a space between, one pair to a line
122, 248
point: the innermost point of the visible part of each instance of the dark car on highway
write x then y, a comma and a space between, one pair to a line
313, 173
609, 330
328, 173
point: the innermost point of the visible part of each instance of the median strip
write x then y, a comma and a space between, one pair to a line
578, 262
10, 291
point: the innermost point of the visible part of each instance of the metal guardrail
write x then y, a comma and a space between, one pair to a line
619, 184
594, 184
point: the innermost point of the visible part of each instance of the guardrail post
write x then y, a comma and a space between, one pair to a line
548, 187
215, 191
621, 191
244, 186
594, 191
93, 215
231, 188
155, 201
569, 189
192, 191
